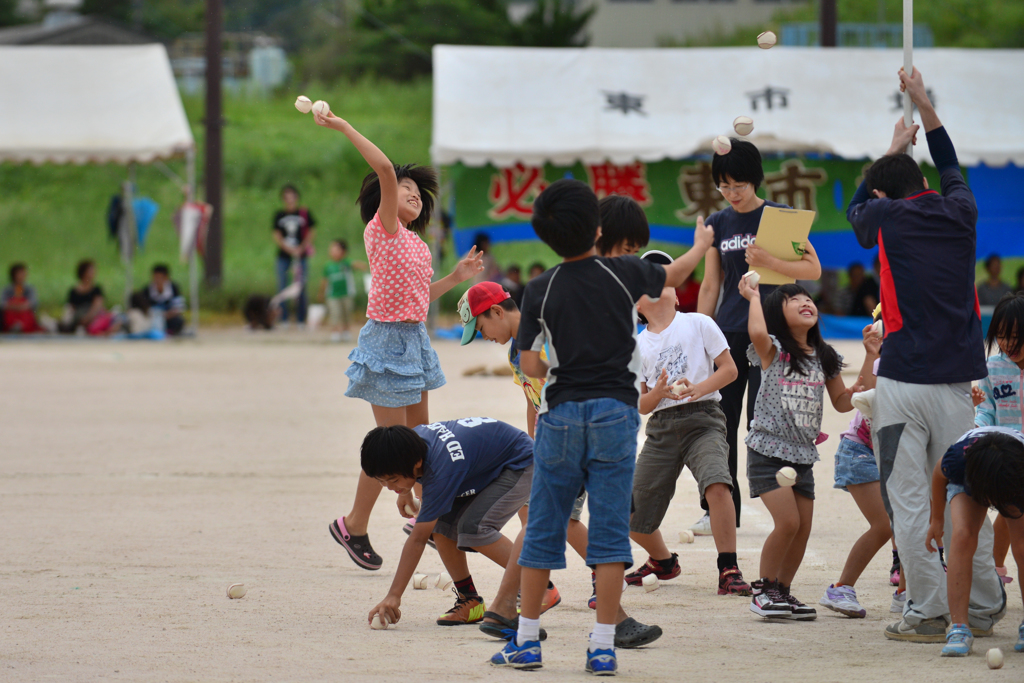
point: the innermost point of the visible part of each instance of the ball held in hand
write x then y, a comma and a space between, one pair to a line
321, 107
378, 624
752, 277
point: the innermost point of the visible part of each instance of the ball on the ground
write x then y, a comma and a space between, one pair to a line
377, 624
743, 125
877, 329
650, 583
786, 476
419, 582
236, 591
766, 40
994, 657
686, 536
753, 277
444, 581
722, 145
321, 107
303, 104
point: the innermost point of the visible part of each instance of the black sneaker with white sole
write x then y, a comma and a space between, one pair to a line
768, 602
800, 610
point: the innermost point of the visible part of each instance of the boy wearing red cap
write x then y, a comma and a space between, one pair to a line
488, 308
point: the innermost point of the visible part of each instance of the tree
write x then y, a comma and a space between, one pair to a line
554, 23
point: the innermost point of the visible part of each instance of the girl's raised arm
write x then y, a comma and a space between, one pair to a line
756, 326
377, 160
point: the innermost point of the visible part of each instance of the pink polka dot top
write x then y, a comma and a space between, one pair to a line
400, 270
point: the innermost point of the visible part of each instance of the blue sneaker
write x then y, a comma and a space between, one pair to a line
1019, 647
526, 657
602, 662
959, 641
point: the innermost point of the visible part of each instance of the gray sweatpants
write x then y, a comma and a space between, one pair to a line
913, 425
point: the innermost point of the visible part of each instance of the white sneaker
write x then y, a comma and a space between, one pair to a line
843, 599
702, 527
898, 601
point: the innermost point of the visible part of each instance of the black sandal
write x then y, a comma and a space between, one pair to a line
506, 629
630, 633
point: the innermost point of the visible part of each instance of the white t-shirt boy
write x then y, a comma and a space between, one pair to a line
686, 348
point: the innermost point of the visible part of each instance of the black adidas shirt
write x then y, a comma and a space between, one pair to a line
585, 312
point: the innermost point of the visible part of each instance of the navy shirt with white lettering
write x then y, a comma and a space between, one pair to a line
464, 456
734, 232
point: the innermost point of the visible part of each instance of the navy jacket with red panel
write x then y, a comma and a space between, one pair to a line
926, 245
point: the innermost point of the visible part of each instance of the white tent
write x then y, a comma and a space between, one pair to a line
90, 104
508, 105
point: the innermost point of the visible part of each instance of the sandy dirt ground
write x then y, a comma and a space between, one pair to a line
137, 481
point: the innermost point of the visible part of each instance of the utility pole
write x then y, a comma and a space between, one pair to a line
828, 23
213, 159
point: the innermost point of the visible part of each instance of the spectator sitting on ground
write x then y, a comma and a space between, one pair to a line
536, 269
85, 306
992, 290
164, 296
259, 312
19, 303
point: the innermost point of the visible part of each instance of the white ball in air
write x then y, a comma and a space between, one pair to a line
722, 145
786, 476
766, 40
743, 125
303, 104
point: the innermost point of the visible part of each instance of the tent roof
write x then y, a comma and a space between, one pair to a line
90, 104
508, 105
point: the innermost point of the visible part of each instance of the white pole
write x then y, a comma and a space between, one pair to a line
908, 63
193, 270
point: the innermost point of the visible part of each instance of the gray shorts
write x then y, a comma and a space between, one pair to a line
339, 311
477, 520
690, 435
761, 471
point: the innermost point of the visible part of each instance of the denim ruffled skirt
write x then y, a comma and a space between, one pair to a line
393, 364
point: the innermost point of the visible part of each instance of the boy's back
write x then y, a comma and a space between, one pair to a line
585, 311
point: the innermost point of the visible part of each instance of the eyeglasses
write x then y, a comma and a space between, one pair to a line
733, 190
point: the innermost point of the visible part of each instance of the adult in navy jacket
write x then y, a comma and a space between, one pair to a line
932, 352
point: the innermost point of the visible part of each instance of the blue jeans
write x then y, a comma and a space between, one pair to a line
284, 278
588, 444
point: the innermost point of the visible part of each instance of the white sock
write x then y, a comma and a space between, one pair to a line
601, 638
529, 629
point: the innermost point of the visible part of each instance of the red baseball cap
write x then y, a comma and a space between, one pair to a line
478, 299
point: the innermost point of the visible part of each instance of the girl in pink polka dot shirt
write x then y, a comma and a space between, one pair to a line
393, 366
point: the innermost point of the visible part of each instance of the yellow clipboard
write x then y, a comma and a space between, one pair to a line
783, 234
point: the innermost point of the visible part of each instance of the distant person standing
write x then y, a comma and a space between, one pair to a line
338, 290
993, 289
294, 230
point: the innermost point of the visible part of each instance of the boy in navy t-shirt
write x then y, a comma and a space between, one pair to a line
584, 310
475, 473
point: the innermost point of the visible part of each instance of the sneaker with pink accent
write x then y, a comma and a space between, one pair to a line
358, 547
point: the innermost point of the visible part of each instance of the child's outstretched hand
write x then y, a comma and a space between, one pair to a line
329, 121
872, 342
746, 291
977, 396
935, 529
703, 235
469, 266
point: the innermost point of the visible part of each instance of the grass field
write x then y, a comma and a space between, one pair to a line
52, 216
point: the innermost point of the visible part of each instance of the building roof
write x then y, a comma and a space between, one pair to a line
72, 30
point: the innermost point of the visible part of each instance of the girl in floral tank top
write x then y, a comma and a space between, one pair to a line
393, 366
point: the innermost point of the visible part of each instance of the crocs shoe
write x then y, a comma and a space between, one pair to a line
630, 634
843, 600
526, 657
358, 547
505, 629
959, 641
601, 662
